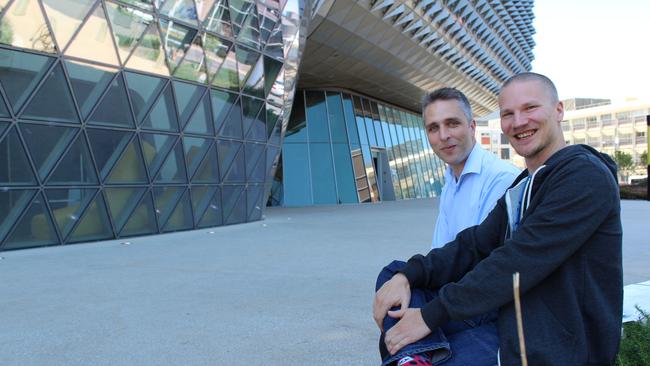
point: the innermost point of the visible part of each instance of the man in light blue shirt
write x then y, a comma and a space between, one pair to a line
475, 178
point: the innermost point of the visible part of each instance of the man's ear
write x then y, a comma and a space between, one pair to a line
559, 108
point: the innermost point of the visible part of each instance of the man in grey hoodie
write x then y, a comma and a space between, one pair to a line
558, 226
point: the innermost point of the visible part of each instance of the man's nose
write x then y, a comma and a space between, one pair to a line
519, 119
444, 133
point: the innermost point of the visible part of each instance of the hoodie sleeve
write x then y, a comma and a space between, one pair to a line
579, 197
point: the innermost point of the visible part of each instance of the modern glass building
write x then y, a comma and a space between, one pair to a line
121, 118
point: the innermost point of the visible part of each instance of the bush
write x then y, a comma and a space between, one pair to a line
635, 344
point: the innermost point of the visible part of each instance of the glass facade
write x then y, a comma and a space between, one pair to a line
345, 148
134, 117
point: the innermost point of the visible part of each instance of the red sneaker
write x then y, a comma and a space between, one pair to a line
415, 360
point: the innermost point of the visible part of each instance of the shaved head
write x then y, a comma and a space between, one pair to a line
531, 76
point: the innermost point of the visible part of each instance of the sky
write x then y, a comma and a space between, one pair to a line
594, 48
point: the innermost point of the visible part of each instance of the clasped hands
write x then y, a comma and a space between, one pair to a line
411, 326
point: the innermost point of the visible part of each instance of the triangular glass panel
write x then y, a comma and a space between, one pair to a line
155, 148
183, 10
143, 91
94, 40
254, 154
88, 83
177, 39
195, 149
14, 163
234, 204
227, 151
232, 127
27, 27
20, 72
163, 114
235, 171
272, 69
46, 144
128, 26
76, 166
201, 120
149, 55
192, 67
53, 101
181, 218
274, 45
208, 171
3, 126
269, 15
121, 202
202, 201
173, 170
143, 219
249, 34
272, 161
254, 119
187, 97
114, 108
255, 84
273, 115
213, 214
94, 224
227, 77
107, 146
246, 59
67, 206
130, 168
34, 229
276, 94
65, 17
216, 50
254, 200
12, 204
217, 19
222, 102
166, 198
276, 134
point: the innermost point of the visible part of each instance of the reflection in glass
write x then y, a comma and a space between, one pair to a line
163, 114
234, 204
255, 84
222, 102
249, 34
128, 25
254, 125
142, 221
143, 90
239, 9
216, 50
231, 161
121, 202
228, 77
67, 206
46, 144
195, 149
65, 17
193, 65
269, 18
107, 145
187, 97
213, 214
166, 198
201, 122
273, 115
322, 173
149, 55
176, 41
246, 59
201, 197
208, 170
254, 199
173, 169
345, 180
183, 10
232, 126
297, 131
130, 167
144, 4
155, 148
94, 40
27, 26
255, 155
217, 19
181, 217
274, 45
317, 116
336, 118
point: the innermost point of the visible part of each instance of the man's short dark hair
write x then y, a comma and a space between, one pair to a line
529, 76
448, 94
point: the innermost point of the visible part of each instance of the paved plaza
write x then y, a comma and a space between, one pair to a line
293, 289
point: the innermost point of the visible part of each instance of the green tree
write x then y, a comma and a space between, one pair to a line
643, 159
624, 162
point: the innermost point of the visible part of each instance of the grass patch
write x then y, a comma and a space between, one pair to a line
635, 344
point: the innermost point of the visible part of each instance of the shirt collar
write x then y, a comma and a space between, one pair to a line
472, 164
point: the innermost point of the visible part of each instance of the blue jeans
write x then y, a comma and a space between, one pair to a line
470, 342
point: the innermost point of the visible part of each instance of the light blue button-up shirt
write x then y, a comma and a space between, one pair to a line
467, 201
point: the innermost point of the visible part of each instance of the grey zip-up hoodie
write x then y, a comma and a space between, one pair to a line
567, 249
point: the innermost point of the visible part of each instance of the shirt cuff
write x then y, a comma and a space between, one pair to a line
434, 314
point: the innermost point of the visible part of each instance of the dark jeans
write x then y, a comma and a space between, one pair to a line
470, 342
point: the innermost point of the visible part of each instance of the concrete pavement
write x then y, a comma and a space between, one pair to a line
295, 288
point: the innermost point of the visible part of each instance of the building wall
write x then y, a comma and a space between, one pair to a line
123, 119
341, 147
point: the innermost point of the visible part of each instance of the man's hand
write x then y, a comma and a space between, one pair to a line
395, 292
411, 328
